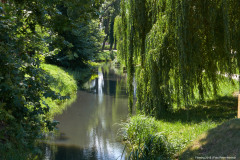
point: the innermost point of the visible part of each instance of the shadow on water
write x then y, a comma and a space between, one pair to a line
222, 108
74, 153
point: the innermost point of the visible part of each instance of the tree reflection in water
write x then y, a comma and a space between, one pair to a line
88, 129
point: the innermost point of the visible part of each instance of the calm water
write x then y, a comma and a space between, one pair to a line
88, 128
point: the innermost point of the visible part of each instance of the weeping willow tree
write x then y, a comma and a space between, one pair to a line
175, 47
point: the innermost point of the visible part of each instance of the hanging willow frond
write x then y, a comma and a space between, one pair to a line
179, 46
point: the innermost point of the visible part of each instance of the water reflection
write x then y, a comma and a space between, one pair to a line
107, 83
100, 85
88, 129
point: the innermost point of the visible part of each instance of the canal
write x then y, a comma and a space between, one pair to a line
88, 129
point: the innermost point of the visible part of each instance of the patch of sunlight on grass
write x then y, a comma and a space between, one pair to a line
62, 83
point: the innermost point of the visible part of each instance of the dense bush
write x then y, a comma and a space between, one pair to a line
144, 137
22, 84
154, 147
138, 128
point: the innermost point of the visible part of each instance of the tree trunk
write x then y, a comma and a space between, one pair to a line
110, 47
115, 44
104, 41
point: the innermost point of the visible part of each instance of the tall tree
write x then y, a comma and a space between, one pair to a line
178, 47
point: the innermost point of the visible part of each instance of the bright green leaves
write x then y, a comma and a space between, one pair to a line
178, 47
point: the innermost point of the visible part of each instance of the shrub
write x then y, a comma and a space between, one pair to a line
143, 136
154, 147
139, 127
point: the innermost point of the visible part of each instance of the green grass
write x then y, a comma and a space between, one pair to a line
221, 141
178, 134
63, 83
81, 75
181, 126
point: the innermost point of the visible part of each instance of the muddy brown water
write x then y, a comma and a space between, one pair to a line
88, 128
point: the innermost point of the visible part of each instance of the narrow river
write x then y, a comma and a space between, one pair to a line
88, 128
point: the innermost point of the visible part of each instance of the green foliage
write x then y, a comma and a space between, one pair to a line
82, 43
109, 10
118, 33
179, 129
146, 140
160, 139
22, 84
177, 47
113, 54
111, 33
28, 33
107, 47
154, 147
138, 128
105, 56
81, 75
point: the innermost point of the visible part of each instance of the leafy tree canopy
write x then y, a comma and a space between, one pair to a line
174, 47
30, 30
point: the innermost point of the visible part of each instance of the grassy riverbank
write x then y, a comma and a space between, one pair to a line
62, 83
66, 82
174, 131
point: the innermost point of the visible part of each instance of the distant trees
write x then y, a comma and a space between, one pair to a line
109, 10
176, 47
